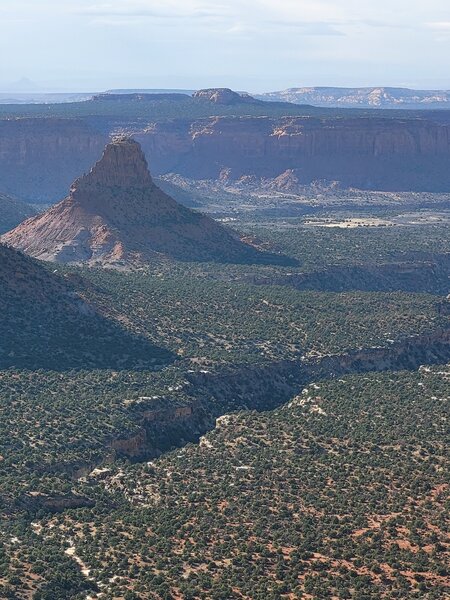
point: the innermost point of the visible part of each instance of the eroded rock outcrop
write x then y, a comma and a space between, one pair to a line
224, 96
115, 215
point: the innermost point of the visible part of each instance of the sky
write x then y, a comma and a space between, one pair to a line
251, 45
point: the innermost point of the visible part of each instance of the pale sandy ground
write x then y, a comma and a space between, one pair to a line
421, 218
350, 223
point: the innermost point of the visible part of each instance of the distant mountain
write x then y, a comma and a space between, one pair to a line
371, 97
13, 212
46, 323
116, 215
21, 85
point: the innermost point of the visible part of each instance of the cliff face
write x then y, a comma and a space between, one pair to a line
39, 158
370, 153
116, 215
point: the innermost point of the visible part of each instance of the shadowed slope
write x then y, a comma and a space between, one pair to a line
45, 323
13, 212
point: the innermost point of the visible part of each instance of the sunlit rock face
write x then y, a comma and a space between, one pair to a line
368, 153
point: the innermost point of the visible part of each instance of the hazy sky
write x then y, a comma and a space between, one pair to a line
254, 45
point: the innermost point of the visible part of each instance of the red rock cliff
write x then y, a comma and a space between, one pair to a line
39, 158
373, 153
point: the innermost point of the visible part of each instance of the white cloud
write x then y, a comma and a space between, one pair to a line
158, 9
256, 44
255, 17
308, 27
440, 25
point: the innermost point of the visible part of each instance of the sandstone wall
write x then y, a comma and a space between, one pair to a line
39, 158
370, 153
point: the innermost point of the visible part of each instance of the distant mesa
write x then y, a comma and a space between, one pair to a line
224, 96
140, 97
365, 97
116, 216
149, 91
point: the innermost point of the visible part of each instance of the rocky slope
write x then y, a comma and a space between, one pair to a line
369, 153
46, 323
115, 215
372, 97
13, 212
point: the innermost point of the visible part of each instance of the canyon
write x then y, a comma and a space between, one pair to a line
163, 423
367, 153
267, 387
236, 138
426, 274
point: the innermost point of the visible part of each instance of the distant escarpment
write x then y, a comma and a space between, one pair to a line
39, 158
367, 153
223, 96
373, 97
115, 215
